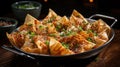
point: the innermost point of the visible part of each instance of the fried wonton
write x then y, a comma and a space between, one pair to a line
78, 15
56, 48
51, 17
16, 39
56, 35
100, 26
30, 23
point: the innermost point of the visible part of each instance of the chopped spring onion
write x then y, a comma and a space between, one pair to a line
65, 45
89, 31
58, 27
80, 28
51, 19
31, 34
40, 27
52, 35
95, 34
89, 39
47, 42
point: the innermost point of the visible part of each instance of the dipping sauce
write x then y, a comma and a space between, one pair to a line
4, 23
26, 6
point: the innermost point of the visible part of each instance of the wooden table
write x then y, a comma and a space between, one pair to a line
109, 57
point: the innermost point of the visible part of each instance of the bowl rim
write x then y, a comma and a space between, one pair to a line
12, 20
20, 2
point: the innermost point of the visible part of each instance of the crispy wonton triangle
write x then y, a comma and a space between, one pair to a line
51, 14
10, 38
65, 21
56, 48
77, 14
108, 29
101, 26
30, 19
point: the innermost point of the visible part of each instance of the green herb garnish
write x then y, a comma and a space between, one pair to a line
80, 28
58, 26
41, 27
47, 42
31, 34
65, 45
95, 34
52, 35
89, 31
89, 39
67, 33
26, 6
51, 19
70, 33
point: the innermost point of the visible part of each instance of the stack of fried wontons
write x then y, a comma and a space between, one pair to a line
56, 35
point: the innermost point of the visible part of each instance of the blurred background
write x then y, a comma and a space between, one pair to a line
65, 7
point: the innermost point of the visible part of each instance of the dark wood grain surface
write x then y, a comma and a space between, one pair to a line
109, 57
